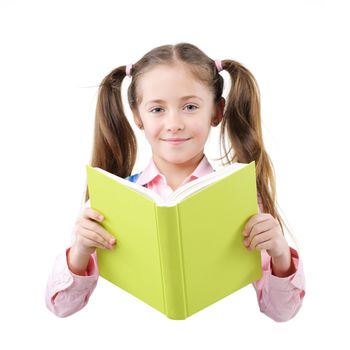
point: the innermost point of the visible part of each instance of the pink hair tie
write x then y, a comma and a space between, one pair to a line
128, 69
218, 65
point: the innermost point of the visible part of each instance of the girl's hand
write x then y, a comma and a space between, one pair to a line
90, 234
263, 231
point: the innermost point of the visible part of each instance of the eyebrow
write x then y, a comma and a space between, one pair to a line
182, 99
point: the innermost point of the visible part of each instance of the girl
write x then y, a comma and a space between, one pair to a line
175, 96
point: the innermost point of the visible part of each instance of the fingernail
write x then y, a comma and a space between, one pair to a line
245, 242
112, 241
100, 217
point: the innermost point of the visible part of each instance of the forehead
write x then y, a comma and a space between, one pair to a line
170, 82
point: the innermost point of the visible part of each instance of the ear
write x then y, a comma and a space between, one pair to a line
219, 112
137, 118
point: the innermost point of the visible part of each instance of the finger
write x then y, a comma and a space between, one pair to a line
253, 221
93, 239
96, 227
260, 238
88, 240
264, 245
257, 229
90, 213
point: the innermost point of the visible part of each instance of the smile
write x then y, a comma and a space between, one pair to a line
176, 141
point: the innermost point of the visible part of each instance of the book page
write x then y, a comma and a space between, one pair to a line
183, 191
201, 182
143, 190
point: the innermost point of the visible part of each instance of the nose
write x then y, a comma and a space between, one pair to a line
174, 123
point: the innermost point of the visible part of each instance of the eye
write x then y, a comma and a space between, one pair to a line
156, 108
192, 109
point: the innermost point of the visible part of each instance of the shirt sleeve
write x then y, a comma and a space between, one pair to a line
66, 292
280, 298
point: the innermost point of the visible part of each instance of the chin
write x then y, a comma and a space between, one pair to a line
178, 159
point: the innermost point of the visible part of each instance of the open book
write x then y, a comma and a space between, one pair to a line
182, 254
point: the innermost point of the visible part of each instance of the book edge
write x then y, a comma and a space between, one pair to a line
155, 197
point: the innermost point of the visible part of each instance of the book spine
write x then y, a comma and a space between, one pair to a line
169, 237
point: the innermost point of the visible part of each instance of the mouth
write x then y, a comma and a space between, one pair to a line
176, 141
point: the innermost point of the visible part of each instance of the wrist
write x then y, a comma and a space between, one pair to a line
282, 265
79, 252
77, 261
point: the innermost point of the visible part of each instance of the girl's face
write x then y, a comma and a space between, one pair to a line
176, 112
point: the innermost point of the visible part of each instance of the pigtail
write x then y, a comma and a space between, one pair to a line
114, 144
242, 125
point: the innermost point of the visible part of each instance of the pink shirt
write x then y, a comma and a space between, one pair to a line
279, 298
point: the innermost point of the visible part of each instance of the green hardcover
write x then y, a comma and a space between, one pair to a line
182, 258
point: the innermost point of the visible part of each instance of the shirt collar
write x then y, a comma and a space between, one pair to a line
151, 171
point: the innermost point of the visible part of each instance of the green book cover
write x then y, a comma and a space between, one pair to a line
183, 254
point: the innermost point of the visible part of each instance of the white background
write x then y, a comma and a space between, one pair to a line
55, 53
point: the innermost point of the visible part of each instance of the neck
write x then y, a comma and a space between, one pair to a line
175, 173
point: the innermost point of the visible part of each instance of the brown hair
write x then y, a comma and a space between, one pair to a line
115, 145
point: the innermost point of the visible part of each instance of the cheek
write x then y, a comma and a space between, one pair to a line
200, 129
152, 131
